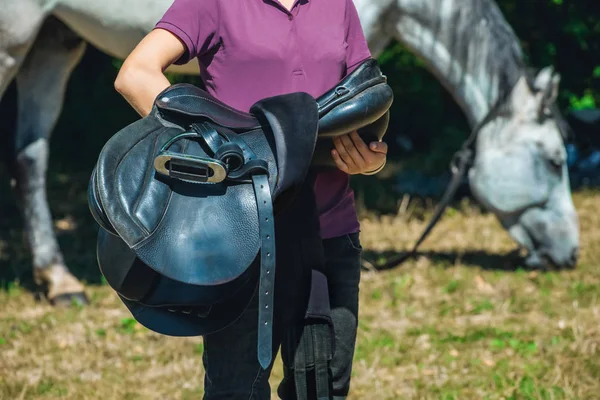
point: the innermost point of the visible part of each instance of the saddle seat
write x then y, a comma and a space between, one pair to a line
192, 102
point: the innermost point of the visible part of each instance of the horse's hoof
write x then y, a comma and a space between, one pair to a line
62, 288
70, 299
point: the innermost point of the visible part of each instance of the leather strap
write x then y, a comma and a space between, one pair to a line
300, 362
463, 159
319, 332
266, 229
323, 353
210, 136
257, 169
230, 150
313, 340
312, 360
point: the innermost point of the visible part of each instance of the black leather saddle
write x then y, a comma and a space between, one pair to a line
186, 198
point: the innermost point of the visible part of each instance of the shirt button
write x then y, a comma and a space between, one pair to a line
290, 17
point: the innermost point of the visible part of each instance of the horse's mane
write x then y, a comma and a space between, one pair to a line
504, 53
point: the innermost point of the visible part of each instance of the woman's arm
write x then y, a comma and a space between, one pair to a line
141, 78
351, 154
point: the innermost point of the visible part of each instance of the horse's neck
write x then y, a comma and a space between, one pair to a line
467, 45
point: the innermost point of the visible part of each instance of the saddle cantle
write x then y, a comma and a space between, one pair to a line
361, 102
186, 198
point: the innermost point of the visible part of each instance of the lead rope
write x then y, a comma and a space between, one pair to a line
461, 161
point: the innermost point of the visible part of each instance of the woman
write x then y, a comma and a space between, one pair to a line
248, 50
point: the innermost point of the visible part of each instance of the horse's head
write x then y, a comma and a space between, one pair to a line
520, 172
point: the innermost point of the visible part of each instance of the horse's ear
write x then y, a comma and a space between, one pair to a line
543, 78
521, 94
525, 100
546, 83
532, 100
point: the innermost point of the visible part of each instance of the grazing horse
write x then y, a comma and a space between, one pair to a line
519, 171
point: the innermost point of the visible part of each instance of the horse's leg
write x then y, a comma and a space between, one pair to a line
41, 85
19, 23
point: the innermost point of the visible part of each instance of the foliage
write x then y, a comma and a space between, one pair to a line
565, 34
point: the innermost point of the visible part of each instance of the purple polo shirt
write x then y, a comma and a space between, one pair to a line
251, 49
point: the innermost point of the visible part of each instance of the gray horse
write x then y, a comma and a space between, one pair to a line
519, 171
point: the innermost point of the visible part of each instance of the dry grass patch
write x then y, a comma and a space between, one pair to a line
456, 323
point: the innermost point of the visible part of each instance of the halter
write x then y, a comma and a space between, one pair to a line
461, 161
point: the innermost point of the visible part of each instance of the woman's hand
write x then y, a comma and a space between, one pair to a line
352, 155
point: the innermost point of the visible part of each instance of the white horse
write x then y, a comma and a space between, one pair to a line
519, 172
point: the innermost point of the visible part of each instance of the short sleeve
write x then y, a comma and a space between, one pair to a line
358, 49
195, 23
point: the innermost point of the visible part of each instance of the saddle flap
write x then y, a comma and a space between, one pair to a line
200, 234
187, 101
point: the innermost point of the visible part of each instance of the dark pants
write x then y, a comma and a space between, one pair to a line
230, 355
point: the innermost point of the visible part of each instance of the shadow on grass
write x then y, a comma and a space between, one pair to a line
388, 260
